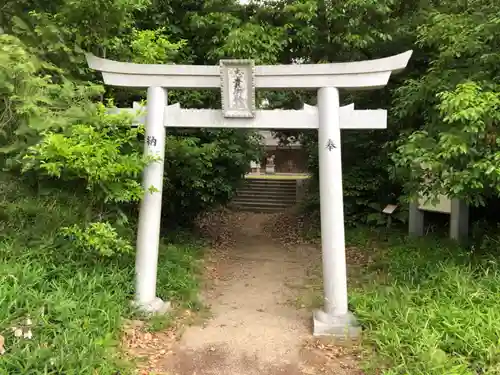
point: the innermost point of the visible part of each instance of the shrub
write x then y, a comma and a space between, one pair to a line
101, 238
35, 98
104, 153
203, 169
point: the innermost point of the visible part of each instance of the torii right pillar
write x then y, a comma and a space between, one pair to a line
335, 319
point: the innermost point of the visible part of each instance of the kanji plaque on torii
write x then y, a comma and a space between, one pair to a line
237, 88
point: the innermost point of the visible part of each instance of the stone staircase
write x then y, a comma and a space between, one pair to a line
265, 195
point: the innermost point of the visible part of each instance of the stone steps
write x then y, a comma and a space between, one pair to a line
265, 195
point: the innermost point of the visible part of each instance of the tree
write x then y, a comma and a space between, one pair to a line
454, 106
203, 167
32, 102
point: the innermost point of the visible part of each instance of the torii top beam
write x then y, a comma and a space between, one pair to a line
369, 74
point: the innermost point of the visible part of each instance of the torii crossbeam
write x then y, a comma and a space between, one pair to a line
306, 118
238, 80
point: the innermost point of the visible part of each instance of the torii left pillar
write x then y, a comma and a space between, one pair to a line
148, 234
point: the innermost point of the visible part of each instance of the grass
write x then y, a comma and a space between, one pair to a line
427, 306
75, 302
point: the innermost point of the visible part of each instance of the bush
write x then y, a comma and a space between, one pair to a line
203, 170
104, 153
35, 97
100, 237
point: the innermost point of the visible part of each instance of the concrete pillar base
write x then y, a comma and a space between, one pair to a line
343, 327
156, 306
459, 221
416, 223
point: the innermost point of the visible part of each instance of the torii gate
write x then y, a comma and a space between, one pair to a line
238, 80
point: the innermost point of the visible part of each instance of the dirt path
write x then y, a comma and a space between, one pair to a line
255, 329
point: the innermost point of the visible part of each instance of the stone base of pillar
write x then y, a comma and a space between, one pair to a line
156, 306
344, 327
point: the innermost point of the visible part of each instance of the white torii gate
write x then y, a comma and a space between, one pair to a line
238, 80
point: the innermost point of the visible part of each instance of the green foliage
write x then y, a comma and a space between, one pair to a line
147, 47
31, 102
210, 29
104, 155
104, 152
94, 22
54, 30
461, 156
433, 310
453, 105
263, 43
100, 237
203, 171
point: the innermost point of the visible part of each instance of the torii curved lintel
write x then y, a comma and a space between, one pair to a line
368, 74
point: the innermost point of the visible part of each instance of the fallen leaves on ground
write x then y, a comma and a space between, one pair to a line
150, 347
218, 227
355, 256
288, 228
331, 358
221, 226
